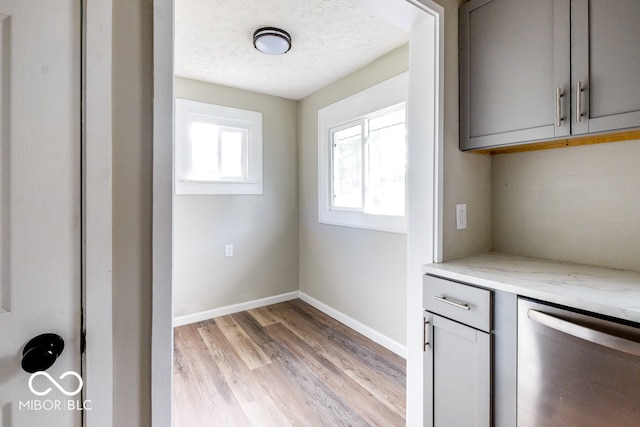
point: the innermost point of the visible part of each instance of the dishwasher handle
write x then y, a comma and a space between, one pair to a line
602, 338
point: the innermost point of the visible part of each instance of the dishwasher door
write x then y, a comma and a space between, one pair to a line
576, 370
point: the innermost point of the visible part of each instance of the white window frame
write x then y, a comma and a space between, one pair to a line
371, 100
188, 112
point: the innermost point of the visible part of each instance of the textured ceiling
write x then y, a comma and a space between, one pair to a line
330, 38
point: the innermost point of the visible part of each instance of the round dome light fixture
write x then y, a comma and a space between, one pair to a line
272, 41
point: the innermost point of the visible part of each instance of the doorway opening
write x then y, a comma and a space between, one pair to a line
424, 21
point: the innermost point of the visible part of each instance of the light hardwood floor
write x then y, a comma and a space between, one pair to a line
283, 365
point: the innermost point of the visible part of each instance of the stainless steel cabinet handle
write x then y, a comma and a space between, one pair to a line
425, 339
453, 303
559, 96
579, 101
588, 334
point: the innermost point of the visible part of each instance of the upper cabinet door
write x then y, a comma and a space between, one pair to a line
514, 71
605, 64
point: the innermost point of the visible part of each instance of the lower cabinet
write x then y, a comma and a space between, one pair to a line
458, 358
457, 354
470, 354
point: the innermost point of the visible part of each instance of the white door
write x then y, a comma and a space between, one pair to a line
40, 207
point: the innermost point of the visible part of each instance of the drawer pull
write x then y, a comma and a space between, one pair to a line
453, 303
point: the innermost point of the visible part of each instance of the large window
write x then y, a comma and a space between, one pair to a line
218, 149
362, 161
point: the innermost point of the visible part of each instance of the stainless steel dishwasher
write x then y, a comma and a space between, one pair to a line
576, 369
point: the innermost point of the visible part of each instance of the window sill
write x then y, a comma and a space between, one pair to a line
384, 223
185, 187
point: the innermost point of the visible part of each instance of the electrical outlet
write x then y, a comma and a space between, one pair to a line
461, 217
228, 251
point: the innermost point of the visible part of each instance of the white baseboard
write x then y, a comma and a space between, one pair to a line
365, 330
230, 309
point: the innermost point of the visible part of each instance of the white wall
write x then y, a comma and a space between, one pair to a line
467, 176
360, 273
132, 197
579, 204
263, 228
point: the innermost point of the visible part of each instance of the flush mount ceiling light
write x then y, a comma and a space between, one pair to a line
271, 41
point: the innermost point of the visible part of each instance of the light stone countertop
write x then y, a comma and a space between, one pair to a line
601, 290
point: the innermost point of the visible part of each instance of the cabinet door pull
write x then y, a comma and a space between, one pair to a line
579, 90
559, 96
453, 303
425, 340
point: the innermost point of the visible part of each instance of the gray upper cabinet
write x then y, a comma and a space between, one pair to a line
523, 64
606, 61
511, 68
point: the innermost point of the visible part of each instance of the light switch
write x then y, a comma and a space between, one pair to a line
228, 251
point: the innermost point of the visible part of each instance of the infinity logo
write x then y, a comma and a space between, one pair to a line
55, 383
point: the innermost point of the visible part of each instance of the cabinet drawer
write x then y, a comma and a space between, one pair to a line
457, 301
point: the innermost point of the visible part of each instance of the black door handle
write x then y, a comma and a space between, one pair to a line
41, 352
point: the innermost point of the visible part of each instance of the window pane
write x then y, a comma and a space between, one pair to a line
395, 117
232, 154
347, 168
387, 165
204, 151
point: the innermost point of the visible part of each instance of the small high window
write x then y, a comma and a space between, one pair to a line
218, 149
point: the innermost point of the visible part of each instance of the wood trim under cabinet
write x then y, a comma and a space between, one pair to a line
565, 142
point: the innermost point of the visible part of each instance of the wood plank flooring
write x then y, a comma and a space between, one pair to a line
284, 365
